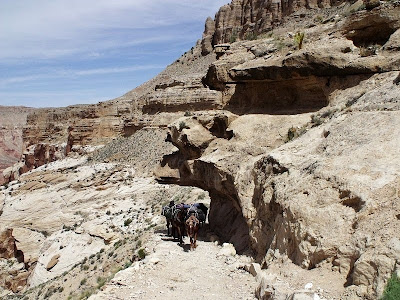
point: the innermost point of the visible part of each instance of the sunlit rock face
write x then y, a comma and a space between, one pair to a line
296, 144
12, 121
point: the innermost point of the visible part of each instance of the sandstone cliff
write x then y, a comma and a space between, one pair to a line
296, 144
52, 133
303, 170
12, 121
246, 19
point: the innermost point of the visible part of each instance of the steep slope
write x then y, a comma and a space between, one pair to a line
79, 217
12, 121
304, 172
52, 133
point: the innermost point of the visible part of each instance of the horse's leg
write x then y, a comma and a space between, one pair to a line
173, 231
167, 227
195, 238
179, 234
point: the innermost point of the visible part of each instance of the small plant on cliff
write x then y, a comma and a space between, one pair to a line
392, 289
234, 36
250, 36
295, 132
127, 222
182, 125
142, 253
100, 282
318, 19
298, 39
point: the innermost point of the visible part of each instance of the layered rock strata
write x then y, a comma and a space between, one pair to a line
317, 186
53, 133
12, 121
246, 19
300, 162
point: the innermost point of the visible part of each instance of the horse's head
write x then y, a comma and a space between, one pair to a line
192, 224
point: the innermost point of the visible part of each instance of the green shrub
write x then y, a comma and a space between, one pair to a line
279, 43
318, 19
127, 264
316, 120
291, 133
392, 289
233, 36
250, 36
182, 125
298, 39
100, 282
86, 294
142, 253
295, 132
85, 267
83, 281
127, 222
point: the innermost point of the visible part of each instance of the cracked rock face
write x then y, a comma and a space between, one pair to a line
320, 193
12, 121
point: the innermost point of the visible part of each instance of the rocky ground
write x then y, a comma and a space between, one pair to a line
175, 272
98, 217
299, 161
143, 150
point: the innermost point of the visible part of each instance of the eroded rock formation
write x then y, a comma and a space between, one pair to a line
319, 200
12, 121
296, 147
246, 19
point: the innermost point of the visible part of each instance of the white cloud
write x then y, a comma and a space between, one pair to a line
56, 28
66, 73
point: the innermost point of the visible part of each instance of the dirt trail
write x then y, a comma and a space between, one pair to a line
174, 272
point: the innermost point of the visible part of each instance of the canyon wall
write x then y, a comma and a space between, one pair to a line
12, 121
53, 133
296, 143
246, 19
299, 166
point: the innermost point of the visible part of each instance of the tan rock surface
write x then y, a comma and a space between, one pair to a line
169, 272
301, 166
12, 121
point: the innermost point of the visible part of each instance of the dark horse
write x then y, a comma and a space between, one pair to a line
178, 221
167, 213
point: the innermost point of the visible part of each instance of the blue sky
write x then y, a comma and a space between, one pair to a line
63, 52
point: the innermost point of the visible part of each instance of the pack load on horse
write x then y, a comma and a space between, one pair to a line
199, 210
167, 213
178, 220
185, 216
